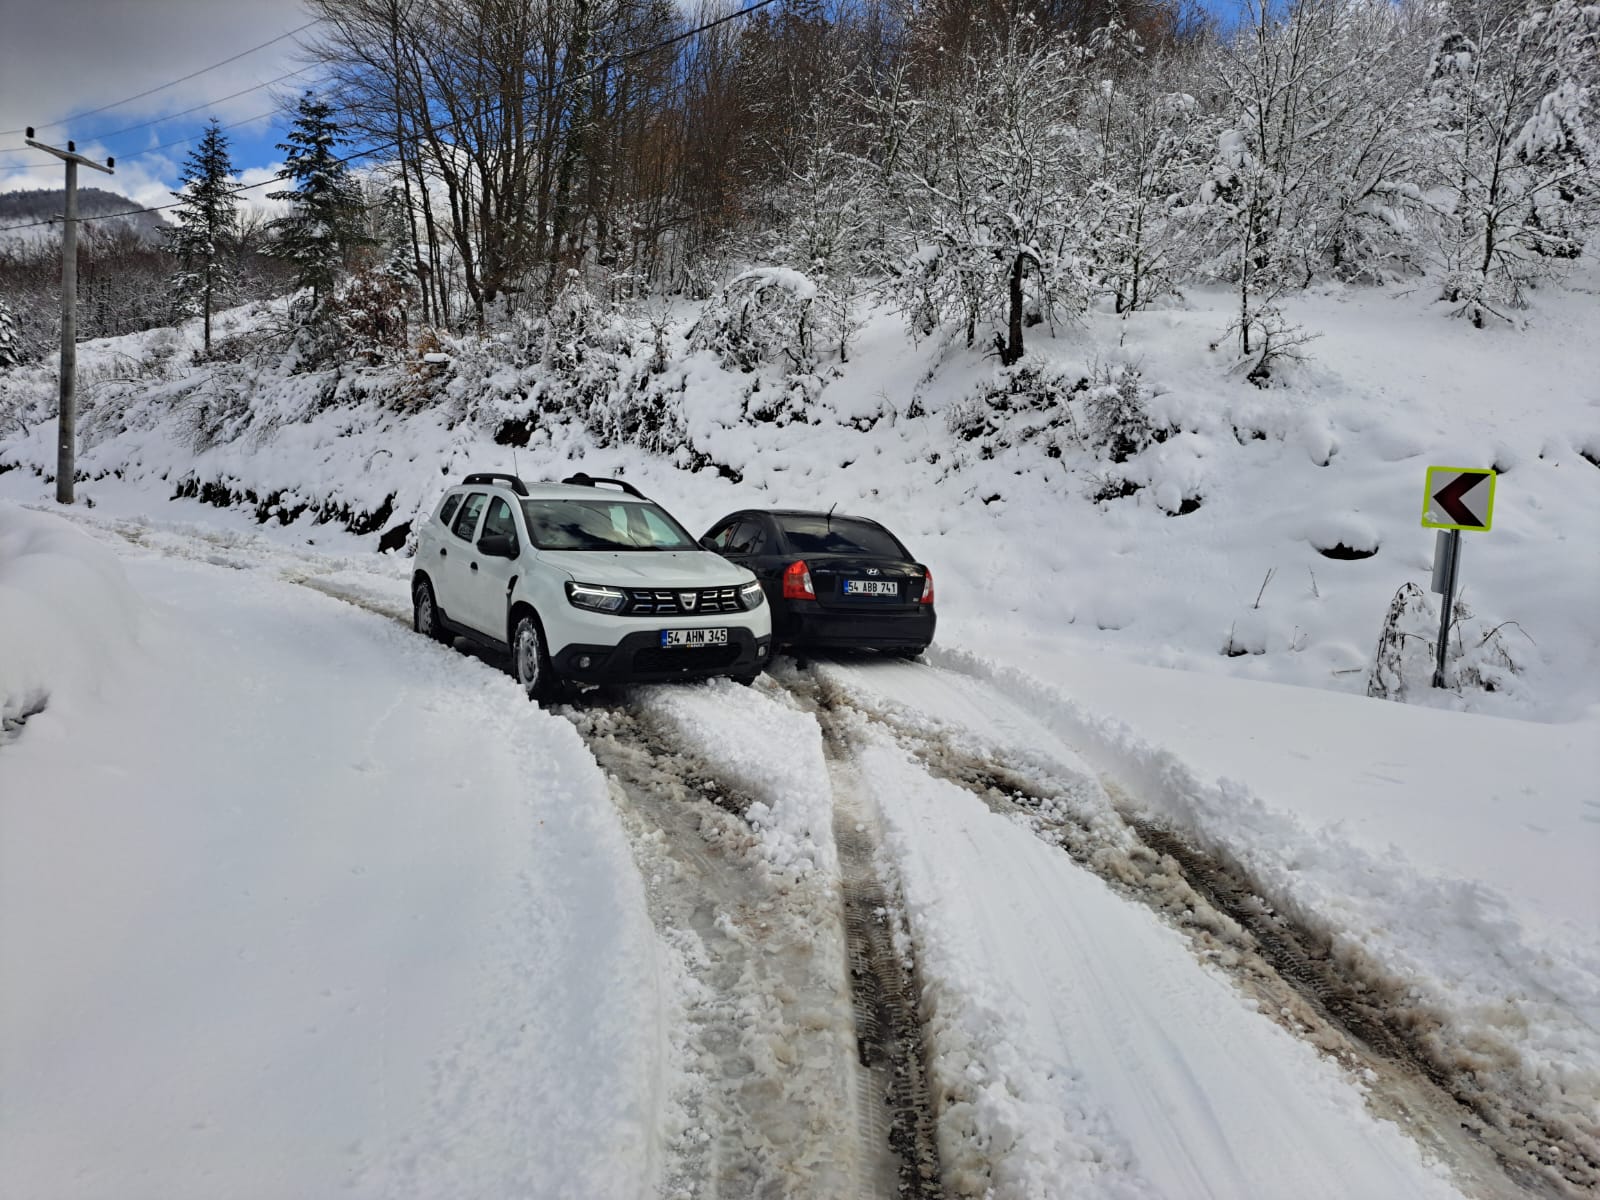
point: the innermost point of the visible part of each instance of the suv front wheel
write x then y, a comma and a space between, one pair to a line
425, 612
529, 659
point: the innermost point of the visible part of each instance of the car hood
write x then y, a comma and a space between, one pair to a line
647, 568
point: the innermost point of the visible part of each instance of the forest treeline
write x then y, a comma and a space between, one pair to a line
983, 166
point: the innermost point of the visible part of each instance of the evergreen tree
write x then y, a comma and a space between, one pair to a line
207, 220
326, 222
10, 339
398, 238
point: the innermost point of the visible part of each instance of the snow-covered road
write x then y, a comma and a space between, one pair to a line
305, 902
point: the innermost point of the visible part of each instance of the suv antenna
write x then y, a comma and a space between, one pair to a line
831, 507
515, 470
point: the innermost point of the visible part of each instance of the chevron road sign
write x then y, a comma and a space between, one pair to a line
1458, 498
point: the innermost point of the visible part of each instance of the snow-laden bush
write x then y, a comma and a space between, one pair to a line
1025, 405
1479, 657
370, 307
781, 317
766, 315
584, 363
1116, 413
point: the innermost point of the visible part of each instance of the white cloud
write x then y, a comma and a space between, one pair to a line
73, 55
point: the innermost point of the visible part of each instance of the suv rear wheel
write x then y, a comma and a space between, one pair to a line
529, 660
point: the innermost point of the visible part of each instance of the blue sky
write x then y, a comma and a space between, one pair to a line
66, 58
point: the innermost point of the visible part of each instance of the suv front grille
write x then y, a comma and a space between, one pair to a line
686, 602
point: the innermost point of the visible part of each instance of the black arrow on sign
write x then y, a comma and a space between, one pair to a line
1449, 498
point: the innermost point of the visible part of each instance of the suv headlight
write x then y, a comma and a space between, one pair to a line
750, 595
596, 597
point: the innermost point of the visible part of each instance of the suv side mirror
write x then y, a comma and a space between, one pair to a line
707, 544
498, 545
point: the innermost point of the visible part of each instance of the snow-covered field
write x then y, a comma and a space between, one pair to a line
299, 901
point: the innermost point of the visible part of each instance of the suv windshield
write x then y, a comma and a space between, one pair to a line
603, 525
840, 535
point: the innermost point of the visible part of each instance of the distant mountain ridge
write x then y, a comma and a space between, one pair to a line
45, 204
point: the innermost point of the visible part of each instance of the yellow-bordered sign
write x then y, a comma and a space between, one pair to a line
1458, 498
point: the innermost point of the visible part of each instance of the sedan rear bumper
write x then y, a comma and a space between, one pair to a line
809, 624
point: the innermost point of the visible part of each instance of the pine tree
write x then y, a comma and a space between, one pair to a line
326, 222
10, 339
399, 238
207, 220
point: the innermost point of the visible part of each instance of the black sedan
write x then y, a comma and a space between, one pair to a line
833, 581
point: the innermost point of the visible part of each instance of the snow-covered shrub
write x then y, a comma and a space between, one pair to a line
219, 410
777, 316
584, 363
1025, 405
765, 315
1479, 657
1116, 413
370, 306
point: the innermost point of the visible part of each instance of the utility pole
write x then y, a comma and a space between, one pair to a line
67, 423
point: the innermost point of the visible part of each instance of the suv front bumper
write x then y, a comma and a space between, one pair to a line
640, 658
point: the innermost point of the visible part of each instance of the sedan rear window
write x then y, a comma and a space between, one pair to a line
839, 535
603, 525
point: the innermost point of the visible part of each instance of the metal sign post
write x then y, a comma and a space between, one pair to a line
1446, 563
1453, 499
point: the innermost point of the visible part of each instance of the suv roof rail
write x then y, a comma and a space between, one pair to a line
583, 480
516, 484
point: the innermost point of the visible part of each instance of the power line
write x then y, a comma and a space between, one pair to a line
105, 137
207, 104
395, 143
183, 141
194, 137
170, 83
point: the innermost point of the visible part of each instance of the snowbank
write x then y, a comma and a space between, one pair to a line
67, 617
309, 906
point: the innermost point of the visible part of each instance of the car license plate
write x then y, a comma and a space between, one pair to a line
693, 637
871, 587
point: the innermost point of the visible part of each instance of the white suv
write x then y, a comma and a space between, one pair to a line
584, 584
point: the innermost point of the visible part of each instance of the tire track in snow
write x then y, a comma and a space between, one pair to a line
888, 1025
1498, 1145
776, 1104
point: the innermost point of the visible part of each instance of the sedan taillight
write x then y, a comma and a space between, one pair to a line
797, 582
927, 588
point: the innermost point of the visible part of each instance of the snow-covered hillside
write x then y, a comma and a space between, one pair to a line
1264, 536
